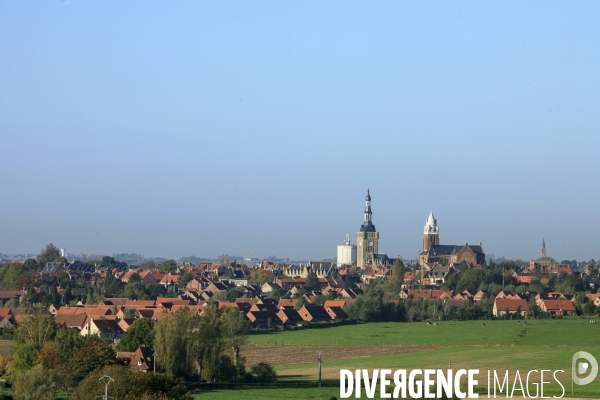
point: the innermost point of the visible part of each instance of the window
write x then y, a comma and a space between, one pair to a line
140, 362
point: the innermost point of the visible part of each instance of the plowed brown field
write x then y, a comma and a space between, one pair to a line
286, 355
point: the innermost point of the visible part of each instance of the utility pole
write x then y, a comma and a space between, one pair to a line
320, 362
154, 362
105, 396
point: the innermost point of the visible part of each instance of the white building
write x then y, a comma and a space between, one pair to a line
346, 253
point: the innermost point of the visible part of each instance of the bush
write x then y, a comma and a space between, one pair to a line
263, 373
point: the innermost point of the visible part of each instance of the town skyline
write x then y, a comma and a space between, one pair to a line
258, 255
205, 129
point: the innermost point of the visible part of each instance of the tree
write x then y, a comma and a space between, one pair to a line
184, 279
135, 278
532, 309
209, 343
572, 283
168, 266
234, 293
141, 332
259, 275
9, 276
589, 308
350, 278
312, 282
106, 260
264, 373
235, 329
49, 254
131, 385
130, 313
469, 280
67, 342
30, 265
38, 329
93, 355
49, 358
65, 381
174, 342
395, 281
35, 384
24, 358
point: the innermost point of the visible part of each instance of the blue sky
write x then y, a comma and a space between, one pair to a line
180, 128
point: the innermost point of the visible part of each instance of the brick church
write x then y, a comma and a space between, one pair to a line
434, 252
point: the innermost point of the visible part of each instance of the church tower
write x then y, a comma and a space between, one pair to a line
431, 233
543, 248
367, 238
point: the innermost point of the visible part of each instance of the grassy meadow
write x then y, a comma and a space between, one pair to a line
310, 393
499, 359
557, 332
499, 345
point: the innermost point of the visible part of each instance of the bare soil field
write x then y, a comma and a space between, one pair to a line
287, 355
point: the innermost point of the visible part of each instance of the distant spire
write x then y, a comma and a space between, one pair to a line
543, 248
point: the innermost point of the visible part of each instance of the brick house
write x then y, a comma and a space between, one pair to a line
289, 316
264, 319
336, 312
314, 313
557, 307
141, 360
510, 306
104, 328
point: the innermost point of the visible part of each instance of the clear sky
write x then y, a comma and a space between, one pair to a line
205, 127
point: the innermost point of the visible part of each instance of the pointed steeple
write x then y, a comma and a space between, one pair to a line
431, 224
543, 248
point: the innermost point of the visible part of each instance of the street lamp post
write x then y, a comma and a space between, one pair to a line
154, 362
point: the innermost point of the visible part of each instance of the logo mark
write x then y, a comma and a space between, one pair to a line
582, 368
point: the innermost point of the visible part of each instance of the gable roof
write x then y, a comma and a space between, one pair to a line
558, 305
107, 326
511, 304
71, 321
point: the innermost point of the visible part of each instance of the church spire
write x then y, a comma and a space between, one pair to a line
367, 222
543, 248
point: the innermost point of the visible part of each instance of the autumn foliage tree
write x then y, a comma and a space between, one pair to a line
92, 356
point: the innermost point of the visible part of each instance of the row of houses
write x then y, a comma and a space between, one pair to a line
109, 320
504, 302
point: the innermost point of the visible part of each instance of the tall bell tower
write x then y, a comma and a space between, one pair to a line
367, 238
431, 233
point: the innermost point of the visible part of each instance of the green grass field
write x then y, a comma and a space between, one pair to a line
324, 393
499, 345
499, 359
561, 332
